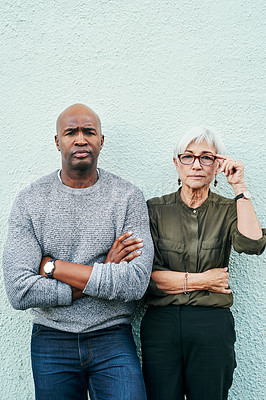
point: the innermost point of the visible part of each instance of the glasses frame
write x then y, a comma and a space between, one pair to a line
197, 157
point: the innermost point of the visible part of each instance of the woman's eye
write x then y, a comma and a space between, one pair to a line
207, 158
187, 157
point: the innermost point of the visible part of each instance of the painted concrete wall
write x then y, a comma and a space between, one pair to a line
151, 69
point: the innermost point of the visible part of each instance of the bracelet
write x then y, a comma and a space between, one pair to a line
185, 283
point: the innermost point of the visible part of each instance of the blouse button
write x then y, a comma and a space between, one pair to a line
195, 211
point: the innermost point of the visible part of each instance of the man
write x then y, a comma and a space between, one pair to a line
66, 257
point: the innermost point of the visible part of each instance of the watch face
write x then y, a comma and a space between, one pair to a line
247, 194
49, 267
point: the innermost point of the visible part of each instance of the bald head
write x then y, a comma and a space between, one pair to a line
79, 139
77, 110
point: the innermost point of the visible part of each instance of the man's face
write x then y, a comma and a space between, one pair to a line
79, 138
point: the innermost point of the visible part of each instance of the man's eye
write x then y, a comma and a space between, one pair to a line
70, 133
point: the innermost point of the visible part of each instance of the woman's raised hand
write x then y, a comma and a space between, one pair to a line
233, 170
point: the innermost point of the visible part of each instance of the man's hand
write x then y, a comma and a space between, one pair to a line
77, 293
124, 250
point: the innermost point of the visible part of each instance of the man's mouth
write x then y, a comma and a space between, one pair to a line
81, 153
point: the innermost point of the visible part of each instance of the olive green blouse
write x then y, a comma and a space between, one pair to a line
195, 240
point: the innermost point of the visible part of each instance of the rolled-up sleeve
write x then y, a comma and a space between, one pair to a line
243, 244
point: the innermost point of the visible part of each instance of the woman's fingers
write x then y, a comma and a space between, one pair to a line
233, 169
225, 291
218, 280
227, 162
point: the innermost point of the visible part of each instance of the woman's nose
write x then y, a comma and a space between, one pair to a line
196, 163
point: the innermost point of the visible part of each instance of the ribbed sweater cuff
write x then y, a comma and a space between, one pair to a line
64, 297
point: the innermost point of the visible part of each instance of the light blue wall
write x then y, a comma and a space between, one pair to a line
151, 69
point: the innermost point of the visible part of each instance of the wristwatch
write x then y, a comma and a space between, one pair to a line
246, 194
49, 268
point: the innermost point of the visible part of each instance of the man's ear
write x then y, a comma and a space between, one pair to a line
102, 141
57, 142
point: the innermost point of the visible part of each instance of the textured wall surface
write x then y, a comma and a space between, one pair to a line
151, 69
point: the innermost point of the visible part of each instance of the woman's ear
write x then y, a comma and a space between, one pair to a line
217, 168
175, 162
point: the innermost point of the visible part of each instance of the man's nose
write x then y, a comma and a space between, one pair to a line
80, 139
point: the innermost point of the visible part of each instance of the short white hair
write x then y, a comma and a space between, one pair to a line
198, 135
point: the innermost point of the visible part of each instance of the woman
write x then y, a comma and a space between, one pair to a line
188, 332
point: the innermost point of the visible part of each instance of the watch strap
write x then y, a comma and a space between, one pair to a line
246, 195
239, 196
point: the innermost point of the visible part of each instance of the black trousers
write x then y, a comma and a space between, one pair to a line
188, 350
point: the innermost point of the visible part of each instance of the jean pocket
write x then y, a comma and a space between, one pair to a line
36, 329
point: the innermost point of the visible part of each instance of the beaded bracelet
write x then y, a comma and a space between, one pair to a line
185, 283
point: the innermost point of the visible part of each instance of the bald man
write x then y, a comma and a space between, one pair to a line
79, 254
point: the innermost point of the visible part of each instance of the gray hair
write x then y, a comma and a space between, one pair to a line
198, 135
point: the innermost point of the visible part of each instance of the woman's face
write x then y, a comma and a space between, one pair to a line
196, 175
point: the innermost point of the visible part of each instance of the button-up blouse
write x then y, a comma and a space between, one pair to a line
195, 240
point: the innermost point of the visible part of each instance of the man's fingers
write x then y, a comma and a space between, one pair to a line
131, 256
128, 249
123, 247
120, 239
128, 243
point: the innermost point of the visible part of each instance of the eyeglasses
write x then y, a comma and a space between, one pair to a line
204, 159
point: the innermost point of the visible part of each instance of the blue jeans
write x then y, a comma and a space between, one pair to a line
68, 365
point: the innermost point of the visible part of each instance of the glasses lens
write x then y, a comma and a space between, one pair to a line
207, 159
186, 159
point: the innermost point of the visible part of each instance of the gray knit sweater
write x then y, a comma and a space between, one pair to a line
77, 225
